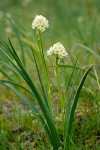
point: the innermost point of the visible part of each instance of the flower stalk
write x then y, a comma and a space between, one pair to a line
61, 100
47, 83
40, 23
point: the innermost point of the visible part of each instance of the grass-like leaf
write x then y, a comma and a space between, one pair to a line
22, 71
91, 51
18, 85
40, 80
34, 109
4, 73
74, 108
68, 106
77, 68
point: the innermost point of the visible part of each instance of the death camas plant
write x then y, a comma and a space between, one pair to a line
45, 114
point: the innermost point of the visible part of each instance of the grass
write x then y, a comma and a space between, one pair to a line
19, 128
77, 27
16, 133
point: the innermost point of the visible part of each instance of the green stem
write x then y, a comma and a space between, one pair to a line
39, 43
61, 100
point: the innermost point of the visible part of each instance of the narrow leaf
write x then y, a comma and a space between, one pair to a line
74, 107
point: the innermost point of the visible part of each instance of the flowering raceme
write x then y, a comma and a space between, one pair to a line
40, 23
57, 49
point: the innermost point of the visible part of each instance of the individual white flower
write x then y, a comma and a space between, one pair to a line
40, 23
57, 49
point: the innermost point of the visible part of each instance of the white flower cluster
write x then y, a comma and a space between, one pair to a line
57, 49
40, 23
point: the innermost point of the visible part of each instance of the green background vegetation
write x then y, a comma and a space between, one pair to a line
72, 22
